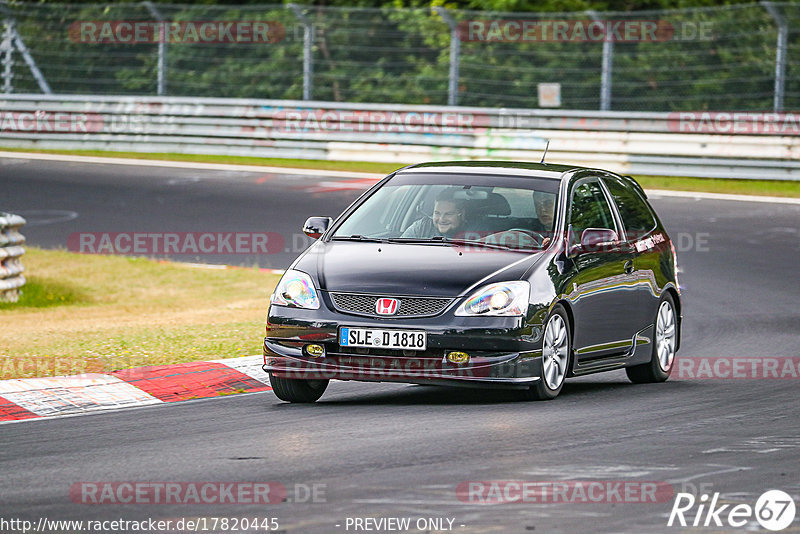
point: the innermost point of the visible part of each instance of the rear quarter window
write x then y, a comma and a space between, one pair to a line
637, 217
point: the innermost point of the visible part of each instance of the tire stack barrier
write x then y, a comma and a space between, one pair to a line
11, 250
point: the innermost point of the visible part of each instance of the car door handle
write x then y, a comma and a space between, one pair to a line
628, 267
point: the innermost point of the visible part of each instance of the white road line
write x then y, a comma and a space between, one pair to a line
42, 217
187, 165
223, 266
722, 196
344, 174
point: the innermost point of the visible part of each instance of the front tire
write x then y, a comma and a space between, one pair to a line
556, 351
662, 360
297, 390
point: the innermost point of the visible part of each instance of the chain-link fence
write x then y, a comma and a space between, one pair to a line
738, 57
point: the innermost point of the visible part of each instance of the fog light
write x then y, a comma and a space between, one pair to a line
315, 351
457, 357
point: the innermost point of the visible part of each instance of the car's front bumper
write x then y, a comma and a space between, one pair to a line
504, 351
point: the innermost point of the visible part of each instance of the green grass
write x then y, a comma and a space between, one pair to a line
781, 188
44, 293
109, 312
773, 188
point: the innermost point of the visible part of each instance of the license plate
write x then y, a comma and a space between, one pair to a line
385, 339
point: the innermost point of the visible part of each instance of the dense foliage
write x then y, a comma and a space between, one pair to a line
722, 58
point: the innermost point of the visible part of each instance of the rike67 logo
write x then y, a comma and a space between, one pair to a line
774, 510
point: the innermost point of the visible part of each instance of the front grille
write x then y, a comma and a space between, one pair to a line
409, 306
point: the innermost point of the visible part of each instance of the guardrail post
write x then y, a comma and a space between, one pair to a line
14, 40
8, 56
780, 54
162, 49
606, 67
455, 53
26, 55
11, 269
308, 45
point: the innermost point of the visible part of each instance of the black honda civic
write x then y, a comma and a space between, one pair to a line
479, 274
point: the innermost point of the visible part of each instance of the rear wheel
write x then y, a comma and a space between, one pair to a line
297, 390
662, 359
556, 350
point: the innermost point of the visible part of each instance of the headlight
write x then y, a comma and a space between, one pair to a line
296, 290
503, 299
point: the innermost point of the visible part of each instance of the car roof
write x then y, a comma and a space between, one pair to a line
514, 168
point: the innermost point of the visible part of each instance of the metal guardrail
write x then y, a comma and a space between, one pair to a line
764, 145
11, 269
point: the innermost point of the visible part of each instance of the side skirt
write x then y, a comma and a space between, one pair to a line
640, 348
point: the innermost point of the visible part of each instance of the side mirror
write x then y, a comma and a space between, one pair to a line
314, 227
594, 240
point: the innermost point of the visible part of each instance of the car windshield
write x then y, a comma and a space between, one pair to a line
514, 213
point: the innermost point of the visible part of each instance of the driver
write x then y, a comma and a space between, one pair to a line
545, 204
449, 217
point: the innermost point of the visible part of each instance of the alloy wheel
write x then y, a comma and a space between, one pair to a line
665, 335
555, 352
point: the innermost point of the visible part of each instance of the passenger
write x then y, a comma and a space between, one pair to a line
449, 217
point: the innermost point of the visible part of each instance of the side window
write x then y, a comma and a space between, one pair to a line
589, 209
636, 215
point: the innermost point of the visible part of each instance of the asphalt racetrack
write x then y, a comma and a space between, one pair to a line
389, 451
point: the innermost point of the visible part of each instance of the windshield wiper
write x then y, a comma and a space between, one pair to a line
436, 240
442, 240
358, 237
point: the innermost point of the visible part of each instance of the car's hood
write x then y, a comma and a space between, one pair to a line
409, 269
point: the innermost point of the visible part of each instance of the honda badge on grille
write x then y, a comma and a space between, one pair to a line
386, 306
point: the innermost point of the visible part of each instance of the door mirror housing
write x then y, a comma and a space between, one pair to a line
314, 227
595, 240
